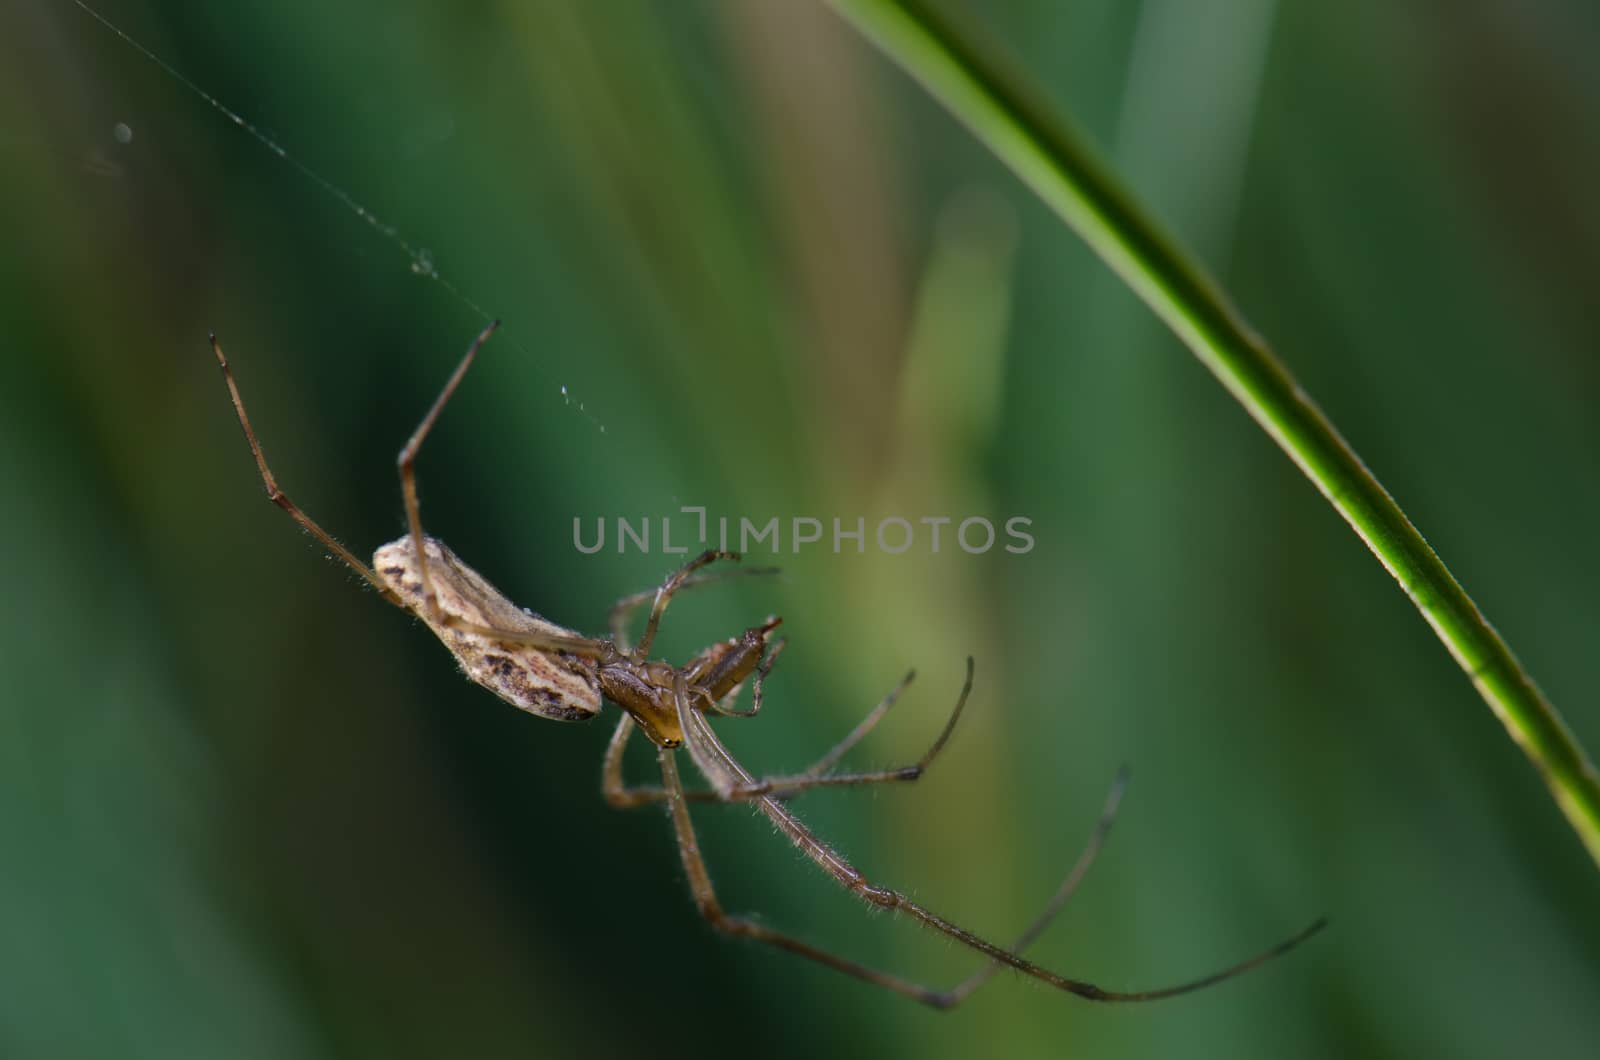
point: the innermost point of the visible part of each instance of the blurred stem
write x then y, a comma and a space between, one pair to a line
963, 72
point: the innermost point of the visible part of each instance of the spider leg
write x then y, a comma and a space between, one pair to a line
278, 497
1080, 869
621, 796
615, 790
785, 787
618, 793
870, 722
622, 611
589, 649
407, 460
756, 691
705, 900
576, 646
709, 907
724, 772
663, 596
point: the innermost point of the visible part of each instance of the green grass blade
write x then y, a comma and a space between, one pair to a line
1055, 161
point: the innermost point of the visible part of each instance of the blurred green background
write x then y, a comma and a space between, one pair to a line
248, 811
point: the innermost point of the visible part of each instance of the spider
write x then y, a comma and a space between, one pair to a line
554, 672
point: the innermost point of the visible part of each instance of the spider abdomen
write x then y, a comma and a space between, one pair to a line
550, 684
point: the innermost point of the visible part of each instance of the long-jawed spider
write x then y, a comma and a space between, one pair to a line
554, 672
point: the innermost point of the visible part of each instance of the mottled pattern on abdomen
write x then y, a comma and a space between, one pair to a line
547, 683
